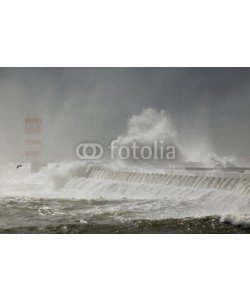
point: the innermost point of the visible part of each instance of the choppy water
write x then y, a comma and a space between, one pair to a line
90, 216
86, 198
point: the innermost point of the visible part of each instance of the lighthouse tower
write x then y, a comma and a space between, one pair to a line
33, 142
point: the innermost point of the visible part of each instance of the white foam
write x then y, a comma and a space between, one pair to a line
173, 193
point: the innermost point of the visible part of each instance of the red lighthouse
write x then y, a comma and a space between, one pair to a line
33, 142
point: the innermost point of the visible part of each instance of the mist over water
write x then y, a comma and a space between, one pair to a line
209, 108
191, 109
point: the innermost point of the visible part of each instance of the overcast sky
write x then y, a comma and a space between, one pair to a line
209, 107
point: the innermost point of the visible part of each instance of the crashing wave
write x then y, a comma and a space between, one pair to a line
165, 193
212, 161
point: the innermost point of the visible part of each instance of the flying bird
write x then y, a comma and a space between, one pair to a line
19, 166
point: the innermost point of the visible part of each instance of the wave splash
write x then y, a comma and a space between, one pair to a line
150, 193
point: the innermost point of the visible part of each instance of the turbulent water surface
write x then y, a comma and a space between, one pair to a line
95, 198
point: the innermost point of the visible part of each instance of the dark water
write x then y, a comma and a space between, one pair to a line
101, 217
208, 225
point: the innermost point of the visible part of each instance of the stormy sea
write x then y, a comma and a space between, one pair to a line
80, 197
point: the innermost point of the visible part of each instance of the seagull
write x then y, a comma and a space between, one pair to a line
19, 166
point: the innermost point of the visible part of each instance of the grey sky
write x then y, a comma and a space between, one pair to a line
208, 106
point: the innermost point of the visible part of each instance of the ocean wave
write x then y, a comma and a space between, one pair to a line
148, 193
